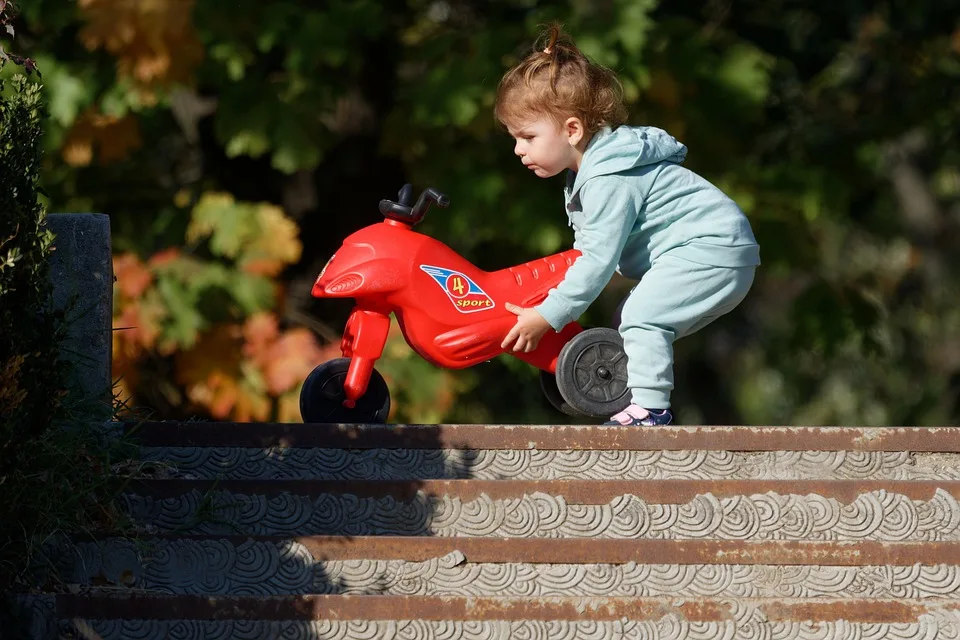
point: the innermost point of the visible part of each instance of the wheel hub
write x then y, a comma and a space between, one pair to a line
600, 371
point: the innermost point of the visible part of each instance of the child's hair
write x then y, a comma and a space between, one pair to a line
558, 81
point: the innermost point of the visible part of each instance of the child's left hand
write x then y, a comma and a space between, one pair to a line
526, 334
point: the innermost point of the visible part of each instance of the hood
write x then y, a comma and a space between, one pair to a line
623, 148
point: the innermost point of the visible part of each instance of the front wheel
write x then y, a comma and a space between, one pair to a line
322, 396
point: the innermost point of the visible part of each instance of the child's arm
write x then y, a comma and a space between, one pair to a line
610, 210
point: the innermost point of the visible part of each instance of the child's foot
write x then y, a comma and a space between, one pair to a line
637, 416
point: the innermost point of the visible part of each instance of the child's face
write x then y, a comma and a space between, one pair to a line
545, 147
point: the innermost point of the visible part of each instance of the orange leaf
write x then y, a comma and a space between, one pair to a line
219, 394
260, 331
290, 359
163, 257
110, 138
154, 41
210, 371
251, 407
133, 277
77, 151
137, 327
285, 359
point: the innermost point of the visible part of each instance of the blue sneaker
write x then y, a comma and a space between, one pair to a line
636, 416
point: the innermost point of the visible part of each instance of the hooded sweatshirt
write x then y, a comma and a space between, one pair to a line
631, 203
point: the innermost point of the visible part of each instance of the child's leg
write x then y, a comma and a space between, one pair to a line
673, 299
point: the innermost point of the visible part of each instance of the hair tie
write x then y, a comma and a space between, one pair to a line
547, 51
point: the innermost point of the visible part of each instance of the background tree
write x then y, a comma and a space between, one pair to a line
235, 149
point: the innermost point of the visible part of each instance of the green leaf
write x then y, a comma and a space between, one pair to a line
747, 69
247, 143
184, 323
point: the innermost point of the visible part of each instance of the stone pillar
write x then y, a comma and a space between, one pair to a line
81, 268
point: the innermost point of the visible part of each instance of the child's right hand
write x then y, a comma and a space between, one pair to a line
526, 334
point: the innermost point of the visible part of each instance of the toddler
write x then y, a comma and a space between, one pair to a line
633, 209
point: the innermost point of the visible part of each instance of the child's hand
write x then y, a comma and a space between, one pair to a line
526, 334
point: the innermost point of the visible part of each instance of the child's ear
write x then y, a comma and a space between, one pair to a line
573, 127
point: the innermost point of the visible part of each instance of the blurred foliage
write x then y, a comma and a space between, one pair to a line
835, 127
212, 315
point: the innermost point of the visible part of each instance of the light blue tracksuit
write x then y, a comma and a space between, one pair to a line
635, 210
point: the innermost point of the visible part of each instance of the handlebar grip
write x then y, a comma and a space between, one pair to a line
432, 194
412, 214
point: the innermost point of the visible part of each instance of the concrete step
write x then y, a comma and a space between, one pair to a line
490, 567
544, 437
673, 509
320, 463
134, 616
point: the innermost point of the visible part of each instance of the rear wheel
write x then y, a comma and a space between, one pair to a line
592, 373
548, 384
322, 396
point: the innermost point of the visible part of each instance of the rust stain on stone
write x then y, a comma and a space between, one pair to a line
619, 551
338, 607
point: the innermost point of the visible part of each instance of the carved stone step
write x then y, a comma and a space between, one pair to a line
239, 463
544, 437
921, 512
281, 567
133, 617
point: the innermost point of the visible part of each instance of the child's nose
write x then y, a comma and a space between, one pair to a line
517, 150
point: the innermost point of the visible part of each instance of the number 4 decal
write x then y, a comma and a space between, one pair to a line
465, 294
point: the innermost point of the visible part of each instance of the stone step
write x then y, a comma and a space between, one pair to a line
221, 566
133, 616
544, 437
676, 509
318, 463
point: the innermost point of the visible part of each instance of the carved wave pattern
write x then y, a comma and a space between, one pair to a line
877, 515
450, 575
197, 566
209, 567
755, 627
401, 464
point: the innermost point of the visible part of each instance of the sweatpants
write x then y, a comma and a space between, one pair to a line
675, 298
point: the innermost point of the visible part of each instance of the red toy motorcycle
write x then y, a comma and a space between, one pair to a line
452, 314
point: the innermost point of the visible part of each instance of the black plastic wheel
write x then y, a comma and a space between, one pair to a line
548, 384
321, 398
592, 373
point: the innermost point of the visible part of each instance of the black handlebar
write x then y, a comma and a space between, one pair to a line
403, 212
